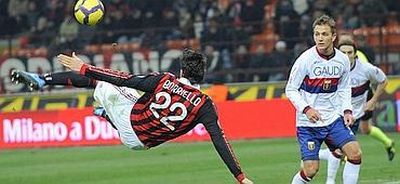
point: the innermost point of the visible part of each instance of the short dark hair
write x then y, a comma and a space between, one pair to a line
325, 20
193, 65
347, 41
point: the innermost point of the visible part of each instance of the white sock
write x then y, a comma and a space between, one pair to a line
333, 166
297, 179
350, 173
324, 154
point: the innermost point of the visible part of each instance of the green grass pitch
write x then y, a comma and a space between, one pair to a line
265, 161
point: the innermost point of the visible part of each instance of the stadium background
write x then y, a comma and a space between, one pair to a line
250, 45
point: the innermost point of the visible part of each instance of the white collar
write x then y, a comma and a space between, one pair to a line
186, 81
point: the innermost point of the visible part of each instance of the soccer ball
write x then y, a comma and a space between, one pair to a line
89, 12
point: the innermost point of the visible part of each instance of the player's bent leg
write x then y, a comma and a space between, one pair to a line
310, 167
310, 140
342, 137
352, 150
118, 102
352, 167
309, 170
379, 135
310, 145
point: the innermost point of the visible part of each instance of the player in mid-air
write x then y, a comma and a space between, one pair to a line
319, 89
361, 75
170, 106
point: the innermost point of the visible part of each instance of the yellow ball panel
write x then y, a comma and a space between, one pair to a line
89, 4
95, 17
79, 16
77, 4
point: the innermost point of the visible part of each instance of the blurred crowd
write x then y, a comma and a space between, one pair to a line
226, 26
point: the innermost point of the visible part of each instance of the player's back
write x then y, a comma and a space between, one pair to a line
168, 112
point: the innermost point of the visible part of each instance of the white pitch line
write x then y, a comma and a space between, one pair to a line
379, 181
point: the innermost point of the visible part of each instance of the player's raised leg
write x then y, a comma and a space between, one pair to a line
36, 81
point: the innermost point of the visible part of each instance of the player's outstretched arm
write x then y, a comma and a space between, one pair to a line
380, 88
208, 116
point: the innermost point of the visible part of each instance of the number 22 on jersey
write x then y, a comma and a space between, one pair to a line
167, 105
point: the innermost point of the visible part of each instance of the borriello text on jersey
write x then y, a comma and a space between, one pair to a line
175, 88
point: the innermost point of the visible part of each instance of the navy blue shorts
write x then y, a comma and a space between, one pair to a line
335, 136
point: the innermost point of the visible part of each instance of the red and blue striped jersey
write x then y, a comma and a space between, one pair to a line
320, 82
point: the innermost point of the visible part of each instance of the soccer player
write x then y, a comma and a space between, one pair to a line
365, 123
363, 101
170, 106
319, 89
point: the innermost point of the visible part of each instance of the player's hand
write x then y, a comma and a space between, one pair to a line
246, 181
348, 119
313, 115
72, 62
370, 106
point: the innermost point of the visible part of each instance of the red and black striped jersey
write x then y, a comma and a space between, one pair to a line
166, 113
169, 108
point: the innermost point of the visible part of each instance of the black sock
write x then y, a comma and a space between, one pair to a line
69, 79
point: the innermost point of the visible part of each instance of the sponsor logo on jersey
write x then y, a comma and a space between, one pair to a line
311, 145
326, 70
327, 85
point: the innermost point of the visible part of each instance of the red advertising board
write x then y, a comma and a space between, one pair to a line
72, 127
251, 119
54, 128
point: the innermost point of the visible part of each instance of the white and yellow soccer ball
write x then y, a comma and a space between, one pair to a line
89, 12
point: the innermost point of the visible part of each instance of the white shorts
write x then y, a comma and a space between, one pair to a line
118, 102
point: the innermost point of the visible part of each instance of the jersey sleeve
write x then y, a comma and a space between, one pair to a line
375, 74
146, 83
296, 77
208, 116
